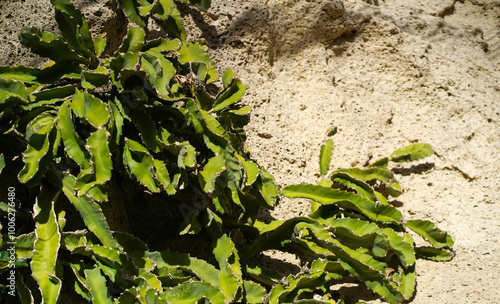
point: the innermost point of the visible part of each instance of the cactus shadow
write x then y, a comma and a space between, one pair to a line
282, 267
258, 27
353, 292
416, 169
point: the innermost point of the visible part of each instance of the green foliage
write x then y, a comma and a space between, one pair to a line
147, 117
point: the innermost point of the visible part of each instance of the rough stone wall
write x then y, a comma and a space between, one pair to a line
387, 73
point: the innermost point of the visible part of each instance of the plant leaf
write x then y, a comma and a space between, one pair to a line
192, 292
73, 145
412, 152
348, 200
160, 71
230, 96
325, 156
230, 272
227, 77
12, 89
162, 9
73, 27
91, 213
23, 291
94, 110
130, 9
162, 45
49, 45
254, 293
433, 235
140, 164
41, 136
134, 41
99, 44
360, 186
211, 171
194, 52
97, 286
46, 247
98, 145
369, 174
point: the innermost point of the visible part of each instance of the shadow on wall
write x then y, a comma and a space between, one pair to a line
283, 29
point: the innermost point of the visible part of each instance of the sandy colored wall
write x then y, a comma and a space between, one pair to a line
387, 74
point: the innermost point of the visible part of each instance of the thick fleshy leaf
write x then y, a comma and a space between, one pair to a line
275, 234
53, 93
12, 88
94, 110
117, 123
192, 292
262, 275
160, 71
130, 9
144, 124
402, 246
134, 41
97, 286
23, 291
211, 171
200, 268
254, 293
2, 162
100, 156
173, 24
412, 152
24, 245
357, 262
161, 173
73, 145
79, 282
359, 233
325, 156
96, 78
125, 73
347, 200
268, 189
49, 45
227, 77
99, 44
140, 164
251, 172
91, 213
232, 95
41, 136
393, 189
433, 235
369, 174
230, 276
73, 27
47, 243
162, 9
47, 75
162, 45
20, 73
382, 163
360, 186
405, 282
195, 53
